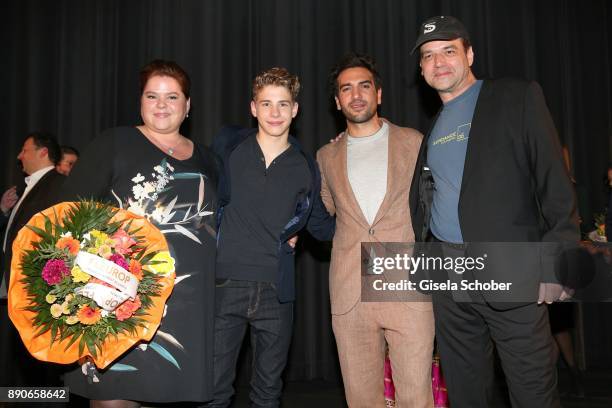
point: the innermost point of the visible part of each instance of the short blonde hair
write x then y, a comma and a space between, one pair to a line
278, 77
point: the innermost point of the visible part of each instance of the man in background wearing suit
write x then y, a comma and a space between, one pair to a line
39, 155
365, 178
499, 176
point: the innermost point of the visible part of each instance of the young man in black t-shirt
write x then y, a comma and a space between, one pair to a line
269, 189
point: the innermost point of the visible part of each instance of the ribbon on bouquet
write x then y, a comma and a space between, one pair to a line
107, 271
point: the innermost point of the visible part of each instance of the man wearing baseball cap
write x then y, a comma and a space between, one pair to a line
493, 168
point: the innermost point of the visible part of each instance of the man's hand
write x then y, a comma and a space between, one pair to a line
292, 241
9, 199
552, 292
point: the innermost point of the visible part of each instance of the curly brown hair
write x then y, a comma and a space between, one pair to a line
278, 77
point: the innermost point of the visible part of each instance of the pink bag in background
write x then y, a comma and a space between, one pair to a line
389, 387
438, 385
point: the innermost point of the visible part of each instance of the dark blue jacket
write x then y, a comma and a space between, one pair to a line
309, 213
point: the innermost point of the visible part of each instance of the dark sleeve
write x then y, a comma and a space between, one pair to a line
55, 189
209, 162
3, 221
321, 225
552, 185
92, 174
224, 138
218, 148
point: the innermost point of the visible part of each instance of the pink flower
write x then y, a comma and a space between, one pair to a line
54, 270
123, 242
127, 309
119, 260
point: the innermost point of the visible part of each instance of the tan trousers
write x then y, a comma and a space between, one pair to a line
360, 337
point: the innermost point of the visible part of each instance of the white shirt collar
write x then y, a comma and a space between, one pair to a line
33, 178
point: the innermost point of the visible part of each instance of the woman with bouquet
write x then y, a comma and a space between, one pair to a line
154, 171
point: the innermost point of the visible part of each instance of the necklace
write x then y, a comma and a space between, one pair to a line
169, 149
172, 148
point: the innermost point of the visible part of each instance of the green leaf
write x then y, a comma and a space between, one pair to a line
81, 345
74, 338
53, 333
42, 233
146, 258
48, 226
91, 346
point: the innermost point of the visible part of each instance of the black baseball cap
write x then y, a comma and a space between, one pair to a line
440, 28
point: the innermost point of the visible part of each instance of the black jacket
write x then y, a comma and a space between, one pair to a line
309, 213
43, 195
515, 186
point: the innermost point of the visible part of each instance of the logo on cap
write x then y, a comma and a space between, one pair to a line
429, 27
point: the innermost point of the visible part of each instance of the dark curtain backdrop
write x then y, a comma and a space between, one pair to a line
71, 67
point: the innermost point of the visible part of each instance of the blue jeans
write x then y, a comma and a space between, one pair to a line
242, 304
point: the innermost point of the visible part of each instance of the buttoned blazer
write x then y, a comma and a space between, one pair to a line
43, 195
391, 224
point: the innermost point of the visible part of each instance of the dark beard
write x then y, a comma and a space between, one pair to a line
360, 118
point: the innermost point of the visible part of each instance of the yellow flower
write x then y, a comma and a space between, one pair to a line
78, 276
105, 251
65, 308
69, 297
99, 237
56, 310
165, 265
72, 320
50, 298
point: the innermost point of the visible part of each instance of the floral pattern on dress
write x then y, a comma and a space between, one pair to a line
145, 200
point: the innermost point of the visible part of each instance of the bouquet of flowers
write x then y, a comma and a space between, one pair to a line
92, 280
599, 234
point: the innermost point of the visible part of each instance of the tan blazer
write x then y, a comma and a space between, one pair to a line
392, 222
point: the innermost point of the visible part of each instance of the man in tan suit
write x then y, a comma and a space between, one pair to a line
366, 177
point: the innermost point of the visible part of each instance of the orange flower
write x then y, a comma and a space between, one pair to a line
127, 309
87, 315
136, 269
72, 244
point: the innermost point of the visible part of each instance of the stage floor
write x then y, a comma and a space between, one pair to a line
321, 394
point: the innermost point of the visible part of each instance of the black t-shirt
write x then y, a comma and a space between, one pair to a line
263, 201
